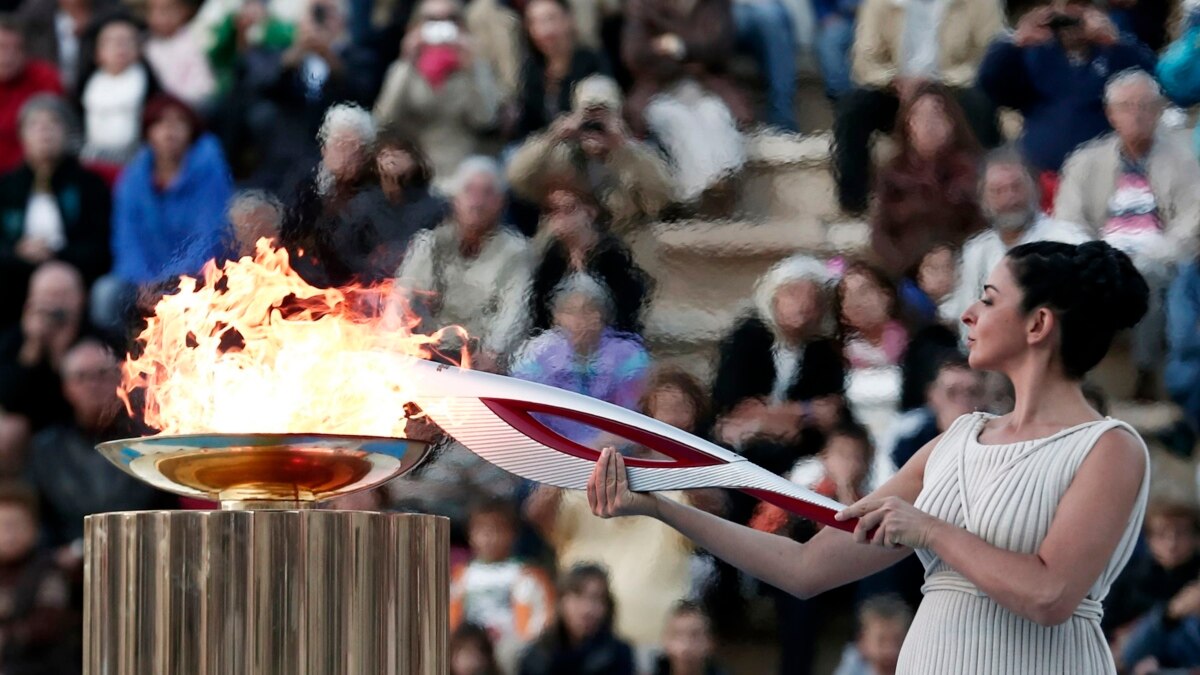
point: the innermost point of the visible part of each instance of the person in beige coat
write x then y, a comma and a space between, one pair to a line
439, 92
1138, 189
892, 54
590, 147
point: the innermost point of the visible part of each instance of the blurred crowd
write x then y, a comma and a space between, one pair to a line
499, 159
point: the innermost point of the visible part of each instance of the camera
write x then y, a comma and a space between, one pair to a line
320, 14
1061, 21
439, 32
592, 124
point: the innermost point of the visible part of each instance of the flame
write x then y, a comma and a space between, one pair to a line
253, 348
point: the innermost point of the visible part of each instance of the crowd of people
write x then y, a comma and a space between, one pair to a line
495, 159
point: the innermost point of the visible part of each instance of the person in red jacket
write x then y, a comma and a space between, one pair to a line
20, 79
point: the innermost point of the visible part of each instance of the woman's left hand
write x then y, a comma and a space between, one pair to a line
890, 522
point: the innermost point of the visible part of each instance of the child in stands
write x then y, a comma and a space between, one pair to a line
687, 643
883, 622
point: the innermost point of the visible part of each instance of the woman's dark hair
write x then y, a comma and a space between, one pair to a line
573, 582
158, 106
962, 139
673, 376
472, 635
390, 138
1093, 289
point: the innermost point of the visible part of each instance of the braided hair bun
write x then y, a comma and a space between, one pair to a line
1093, 289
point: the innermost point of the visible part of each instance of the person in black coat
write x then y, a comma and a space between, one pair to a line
581, 639
51, 208
580, 244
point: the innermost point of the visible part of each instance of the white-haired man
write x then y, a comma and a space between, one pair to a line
472, 270
1137, 188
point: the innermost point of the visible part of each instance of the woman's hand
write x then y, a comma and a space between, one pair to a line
890, 522
608, 490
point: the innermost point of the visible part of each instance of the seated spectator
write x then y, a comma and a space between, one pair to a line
583, 353
168, 210
471, 652
439, 91
334, 253
1009, 196
687, 643
115, 84
1182, 371
579, 243
777, 362
1179, 67
34, 596
928, 194
882, 624
176, 51
253, 215
236, 28
677, 52
841, 471
1053, 70
1139, 190
591, 147
1172, 535
378, 223
472, 271
581, 639
511, 601
32, 353
935, 330
676, 397
928, 294
764, 29
72, 479
54, 31
21, 78
51, 208
553, 68
956, 390
832, 42
868, 313
893, 54
285, 91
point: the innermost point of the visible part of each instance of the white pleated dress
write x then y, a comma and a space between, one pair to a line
1007, 495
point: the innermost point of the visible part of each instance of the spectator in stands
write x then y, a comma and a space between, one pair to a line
51, 208
511, 600
834, 37
927, 294
935, 331
1182, 372
956, 390
841, 471
439, 91
1053, 70
54, 31
21, 78
335, 249
554, 66
883, 623
32, 353
286, 91
168, 209
175, 50
471, 652
72, 479
579, 243
387, 216
927, 194
1139, 190
581, 639
115, 84
1009, 196
677, 53
237, 28
1179, 67
676, 397
1150, 582
893, 54
253, 215
777, 370
34, 597
472, 270
583, 353
869, 316
590, 146
764, 29
687, 643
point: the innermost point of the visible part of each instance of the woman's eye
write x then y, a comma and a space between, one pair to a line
986, 301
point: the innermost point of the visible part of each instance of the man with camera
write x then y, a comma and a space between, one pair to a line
1053, 70
591, 147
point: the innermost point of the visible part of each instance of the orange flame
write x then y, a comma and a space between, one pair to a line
253, 348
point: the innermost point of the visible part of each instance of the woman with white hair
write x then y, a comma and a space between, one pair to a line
440, 91
51, 208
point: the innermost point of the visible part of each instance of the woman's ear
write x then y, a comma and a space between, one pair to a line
1040, 326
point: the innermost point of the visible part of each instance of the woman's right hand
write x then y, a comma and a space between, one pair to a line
608, 489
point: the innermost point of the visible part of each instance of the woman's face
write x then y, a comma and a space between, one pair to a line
117, 47
550, 28
170, 136
929, 127
585, 612
996, 322
798, 307
395, 164
671, 406
865, 306
938, 273
581, 319
468, 659
43, 137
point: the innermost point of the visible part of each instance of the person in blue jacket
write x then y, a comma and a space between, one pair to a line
1179, 68
1183, 337
168, 209
1053, 69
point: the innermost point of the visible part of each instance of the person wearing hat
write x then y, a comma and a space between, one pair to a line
591, 147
